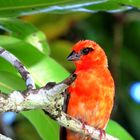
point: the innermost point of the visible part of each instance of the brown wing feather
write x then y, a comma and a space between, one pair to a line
63, 131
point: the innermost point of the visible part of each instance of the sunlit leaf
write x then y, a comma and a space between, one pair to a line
6, 82
42, 69
60, 47
118, 131
25, 31
24, 7
46, 127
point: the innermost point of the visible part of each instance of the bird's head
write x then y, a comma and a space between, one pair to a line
87, 54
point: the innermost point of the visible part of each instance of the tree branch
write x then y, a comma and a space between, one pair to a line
19, 66
50, 98
52, 101
2, 137
77, 126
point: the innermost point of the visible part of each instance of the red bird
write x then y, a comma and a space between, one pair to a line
92, 93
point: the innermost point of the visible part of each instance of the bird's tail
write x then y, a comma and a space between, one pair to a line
76, 136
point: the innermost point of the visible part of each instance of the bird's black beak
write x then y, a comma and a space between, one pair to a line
73, 56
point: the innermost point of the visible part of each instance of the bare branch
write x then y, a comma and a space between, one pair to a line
50, 99
43, 98
2, 137
19, 66
77, 126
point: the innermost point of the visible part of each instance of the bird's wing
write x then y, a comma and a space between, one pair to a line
66, 100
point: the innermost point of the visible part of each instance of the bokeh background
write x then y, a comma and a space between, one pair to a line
119, 35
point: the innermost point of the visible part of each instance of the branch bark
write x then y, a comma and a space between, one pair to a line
51, 100
19, 66
2, 137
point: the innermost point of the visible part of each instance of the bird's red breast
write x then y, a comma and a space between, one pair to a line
92, 93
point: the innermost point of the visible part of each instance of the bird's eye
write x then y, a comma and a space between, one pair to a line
85, 51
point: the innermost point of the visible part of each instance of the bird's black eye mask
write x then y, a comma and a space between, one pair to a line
85, 51
74, 56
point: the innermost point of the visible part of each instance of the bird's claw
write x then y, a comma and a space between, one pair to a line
102, 134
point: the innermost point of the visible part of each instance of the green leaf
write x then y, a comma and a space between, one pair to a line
116, 130
6, 82
48, 70
58, 48
134, 3
26, 52
24, 7
25, 31
43, 69
46, 127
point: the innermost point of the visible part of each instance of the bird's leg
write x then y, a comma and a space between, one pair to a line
83, 122
102, 133
83, 127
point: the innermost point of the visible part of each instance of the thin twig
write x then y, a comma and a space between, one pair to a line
2, 137
19, 66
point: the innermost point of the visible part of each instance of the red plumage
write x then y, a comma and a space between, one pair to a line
92, 93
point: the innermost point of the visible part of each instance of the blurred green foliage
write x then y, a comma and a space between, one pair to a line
117, 33
101, 27
25, 7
